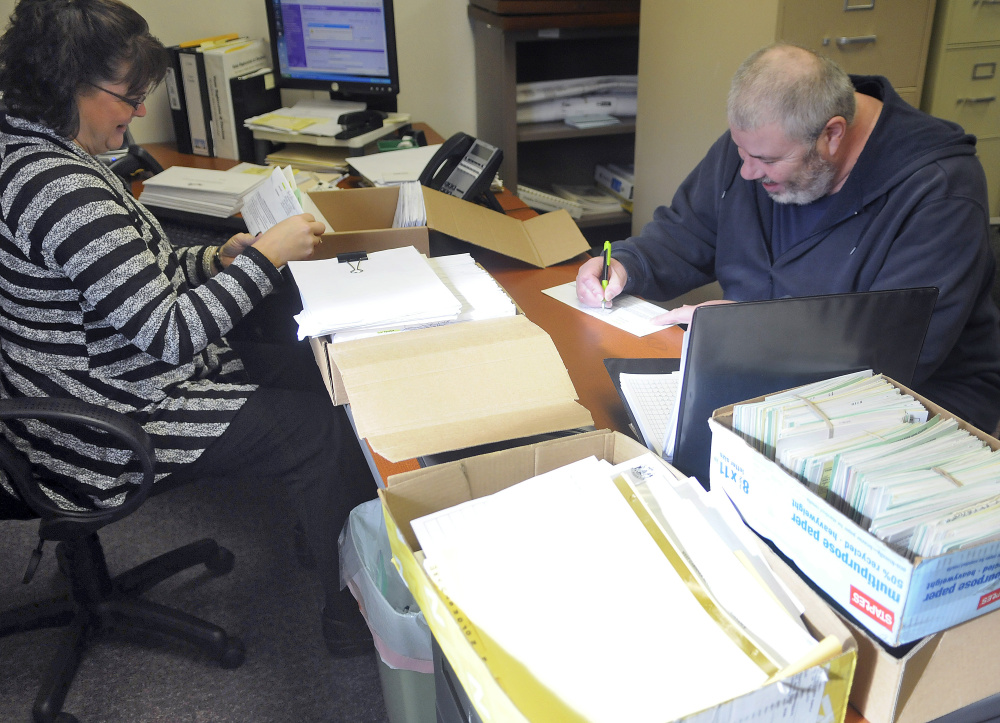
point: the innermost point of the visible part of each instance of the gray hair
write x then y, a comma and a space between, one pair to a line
791, 86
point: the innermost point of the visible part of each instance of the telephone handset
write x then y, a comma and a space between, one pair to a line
464, 167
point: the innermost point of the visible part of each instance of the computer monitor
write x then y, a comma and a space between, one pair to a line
345, 47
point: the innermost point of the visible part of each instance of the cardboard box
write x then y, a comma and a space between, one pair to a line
450, 387
897, 600
941, 673
364, 216
421, 492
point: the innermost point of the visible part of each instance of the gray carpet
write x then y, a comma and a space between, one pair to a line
267, 600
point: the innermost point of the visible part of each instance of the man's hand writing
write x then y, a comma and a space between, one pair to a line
588, 281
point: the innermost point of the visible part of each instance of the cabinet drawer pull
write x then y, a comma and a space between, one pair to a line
976, 101
856, 40
865, 6
986, 2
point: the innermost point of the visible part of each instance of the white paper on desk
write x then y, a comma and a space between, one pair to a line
392, 167
271, 202
389, 289
584, 598
628, 313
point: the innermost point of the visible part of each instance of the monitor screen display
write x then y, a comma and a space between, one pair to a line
345, 46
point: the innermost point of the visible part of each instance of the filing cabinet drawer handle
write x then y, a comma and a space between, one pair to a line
856, 40
986, 2
865, 6
975, 101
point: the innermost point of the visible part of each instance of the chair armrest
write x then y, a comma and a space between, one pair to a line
75, 411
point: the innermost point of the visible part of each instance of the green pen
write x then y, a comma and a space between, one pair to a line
606, 271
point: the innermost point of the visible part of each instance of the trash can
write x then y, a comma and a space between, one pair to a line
401, 634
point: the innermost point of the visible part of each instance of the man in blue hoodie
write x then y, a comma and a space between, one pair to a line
829, 183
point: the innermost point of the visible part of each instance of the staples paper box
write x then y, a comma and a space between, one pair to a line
940, 674
364, 214
415, 494
896, 599
434, 390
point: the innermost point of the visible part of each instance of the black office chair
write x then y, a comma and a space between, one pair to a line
96, 600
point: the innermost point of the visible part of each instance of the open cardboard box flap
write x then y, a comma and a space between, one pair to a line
356, 214
455, 386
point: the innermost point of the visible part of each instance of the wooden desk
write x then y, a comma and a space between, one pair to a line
583, 342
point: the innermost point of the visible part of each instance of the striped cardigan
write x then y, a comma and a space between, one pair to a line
96, 304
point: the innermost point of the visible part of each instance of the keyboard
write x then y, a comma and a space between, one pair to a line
184, 228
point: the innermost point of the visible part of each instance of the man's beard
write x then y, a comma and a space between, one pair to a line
813, 182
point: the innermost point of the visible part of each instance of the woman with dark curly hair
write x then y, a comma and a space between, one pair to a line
96, 304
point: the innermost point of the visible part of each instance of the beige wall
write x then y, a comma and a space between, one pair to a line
683, 82
434, 47
688, 51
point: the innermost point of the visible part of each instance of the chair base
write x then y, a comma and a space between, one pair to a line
97, 601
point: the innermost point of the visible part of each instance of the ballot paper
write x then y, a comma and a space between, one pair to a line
381, 290
925, 486
271, 202
657, 578
628, 313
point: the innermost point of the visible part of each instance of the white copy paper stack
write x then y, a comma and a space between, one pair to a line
385, 290
584, 597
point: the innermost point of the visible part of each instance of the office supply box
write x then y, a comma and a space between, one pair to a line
422, 492
937, 609
428, 391
896, 599
364, 213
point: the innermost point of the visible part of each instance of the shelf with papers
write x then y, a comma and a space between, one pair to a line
579, 47
556, 130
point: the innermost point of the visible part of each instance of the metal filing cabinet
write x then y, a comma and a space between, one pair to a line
963, 83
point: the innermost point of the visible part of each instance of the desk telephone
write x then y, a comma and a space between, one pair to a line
464, 167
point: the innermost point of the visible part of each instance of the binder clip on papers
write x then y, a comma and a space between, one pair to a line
354, 260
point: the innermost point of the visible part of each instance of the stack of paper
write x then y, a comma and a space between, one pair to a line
199, 190
653, 400
620, 579
310, 158
393, 167
480, 296
276, 199
410, 208
609, 95
308, 117
924, 486
594, 200
383, 290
